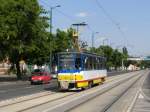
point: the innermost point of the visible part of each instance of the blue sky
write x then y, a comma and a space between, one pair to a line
132, 16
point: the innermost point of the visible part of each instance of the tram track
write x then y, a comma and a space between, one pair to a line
117, 98
56, 96
107, 105
46, 96
17, 102
112, 102
62, 106
49, 95
22, 99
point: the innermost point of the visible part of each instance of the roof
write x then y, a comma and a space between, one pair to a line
87, 53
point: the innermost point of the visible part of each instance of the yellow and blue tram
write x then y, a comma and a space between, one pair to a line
80, 70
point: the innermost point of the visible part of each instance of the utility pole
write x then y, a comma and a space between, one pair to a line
51, 27
93, 35
104, 41
122, 64
51, 17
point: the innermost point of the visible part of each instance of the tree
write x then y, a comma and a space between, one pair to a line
63, 40
125, 56
107, 52
22, 31
117, 58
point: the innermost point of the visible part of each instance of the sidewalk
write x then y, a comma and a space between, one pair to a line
11, 78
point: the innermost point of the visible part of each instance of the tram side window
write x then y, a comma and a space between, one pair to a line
98, 64
94, 63
104, 63
78, 63
91, 64
87, 63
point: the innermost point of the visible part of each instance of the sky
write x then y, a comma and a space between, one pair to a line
121, 22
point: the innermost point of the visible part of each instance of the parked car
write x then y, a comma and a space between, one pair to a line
40, 76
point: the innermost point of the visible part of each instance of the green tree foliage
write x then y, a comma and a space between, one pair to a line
63, 41
145, 64
117, 58
125, 56
107, 52
22, 31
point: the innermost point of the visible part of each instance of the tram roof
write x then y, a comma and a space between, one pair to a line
87, 53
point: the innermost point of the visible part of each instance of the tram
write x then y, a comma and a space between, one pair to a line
80, 70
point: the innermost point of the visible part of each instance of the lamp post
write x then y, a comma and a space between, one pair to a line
104, 41
93, 35
51, 26
51, 16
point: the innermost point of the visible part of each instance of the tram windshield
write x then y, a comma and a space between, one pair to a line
80, 61
66, 61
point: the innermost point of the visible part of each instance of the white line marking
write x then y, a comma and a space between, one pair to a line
83, 95
133, 102
141, 96
135, 98
29, 87
3, 91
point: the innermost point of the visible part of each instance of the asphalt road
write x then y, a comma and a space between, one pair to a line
146, 86
22, 88
142, 103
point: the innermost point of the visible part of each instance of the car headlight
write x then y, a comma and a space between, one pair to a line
40, 78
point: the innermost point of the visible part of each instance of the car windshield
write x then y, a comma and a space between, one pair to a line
38, 72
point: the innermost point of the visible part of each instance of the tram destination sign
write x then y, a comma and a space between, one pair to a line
66, 57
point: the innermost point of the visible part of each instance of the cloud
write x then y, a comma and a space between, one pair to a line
82, 14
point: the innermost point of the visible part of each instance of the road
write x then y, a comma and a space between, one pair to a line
142, 102
115, 95
22, 88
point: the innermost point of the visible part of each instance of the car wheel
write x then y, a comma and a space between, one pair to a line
42, 82
31, 83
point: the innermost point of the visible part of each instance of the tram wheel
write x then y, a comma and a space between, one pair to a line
90, 84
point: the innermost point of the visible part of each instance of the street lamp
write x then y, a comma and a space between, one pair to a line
93, 35
104, 41
51, 15
51, 26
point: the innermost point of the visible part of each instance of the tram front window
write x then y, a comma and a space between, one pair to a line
67, 65
66, 61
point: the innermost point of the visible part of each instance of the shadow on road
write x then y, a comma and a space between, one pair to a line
7, 78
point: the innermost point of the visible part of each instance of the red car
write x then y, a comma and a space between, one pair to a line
40, 76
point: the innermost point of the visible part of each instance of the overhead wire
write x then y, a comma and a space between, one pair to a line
67, 16
111, 19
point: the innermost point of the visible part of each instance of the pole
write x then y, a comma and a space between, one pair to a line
50, 59
51, 27
103, 42
51, 14
92, 40
122, 64
93, 35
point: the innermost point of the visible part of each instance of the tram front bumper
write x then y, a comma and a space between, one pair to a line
72, 84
